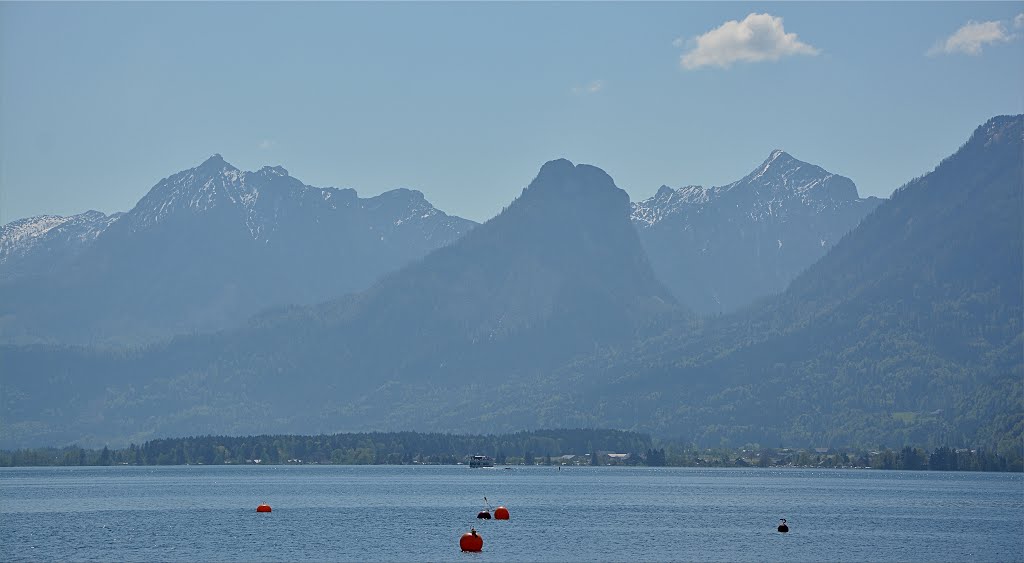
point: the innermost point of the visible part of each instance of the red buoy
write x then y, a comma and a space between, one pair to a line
263, 508
501, 513
471, 541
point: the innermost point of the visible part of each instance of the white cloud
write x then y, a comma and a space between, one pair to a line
1018, 21
970, 38
592, 88
759, 37
266, 144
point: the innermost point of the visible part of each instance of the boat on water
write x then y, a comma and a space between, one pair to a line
481, 461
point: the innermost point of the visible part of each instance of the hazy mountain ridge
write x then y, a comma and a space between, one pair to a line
270, 196
556, 275
563, 251
208, 247
722, 248
907, 331
41, 244
706, 244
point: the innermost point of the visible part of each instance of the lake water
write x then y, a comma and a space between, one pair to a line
406, 513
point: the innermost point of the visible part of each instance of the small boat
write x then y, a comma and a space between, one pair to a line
481, 461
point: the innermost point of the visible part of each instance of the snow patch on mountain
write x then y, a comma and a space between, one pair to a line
770, 191
25, 230
260, 198
722, 247
267, 206
24, 236
668, 202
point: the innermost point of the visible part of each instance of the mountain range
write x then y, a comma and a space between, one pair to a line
204, 250
719, 249
907, 331
47, 243
209, 247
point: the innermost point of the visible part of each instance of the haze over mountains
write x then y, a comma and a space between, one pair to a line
908, 331
552, 315
559, 273
45, 244
204, 250
721, 248
208, 247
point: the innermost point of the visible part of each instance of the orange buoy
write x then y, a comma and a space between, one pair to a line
501, 513
471, 541
263, 508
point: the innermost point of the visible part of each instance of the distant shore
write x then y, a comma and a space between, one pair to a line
576, 447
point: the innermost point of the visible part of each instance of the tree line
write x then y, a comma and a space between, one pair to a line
375, 448
540, 447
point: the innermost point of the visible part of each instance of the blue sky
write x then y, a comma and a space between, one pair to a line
465, 101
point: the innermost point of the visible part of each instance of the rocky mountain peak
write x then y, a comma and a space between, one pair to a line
1001, 127
215, 163
782, 176
204, 249
562, 183
664, 192
779, 157
273, 171
723, 247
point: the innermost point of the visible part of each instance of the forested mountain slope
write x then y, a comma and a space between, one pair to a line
908, 331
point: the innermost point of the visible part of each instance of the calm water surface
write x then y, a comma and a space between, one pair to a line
338, 513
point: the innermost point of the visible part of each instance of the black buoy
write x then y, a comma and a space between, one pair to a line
783, 527
485, 514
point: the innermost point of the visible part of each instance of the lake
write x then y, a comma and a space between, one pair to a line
418, 513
